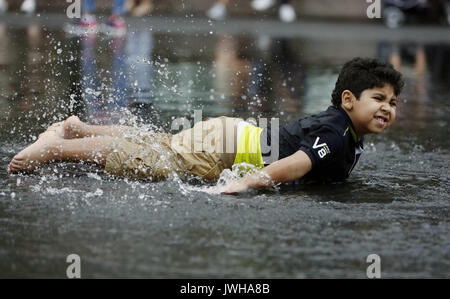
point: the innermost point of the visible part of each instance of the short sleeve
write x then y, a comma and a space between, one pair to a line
322, 146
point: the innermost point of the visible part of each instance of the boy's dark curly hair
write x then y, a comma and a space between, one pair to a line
360, 74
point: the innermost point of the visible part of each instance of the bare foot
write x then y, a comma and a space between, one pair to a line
43, 151
71, 128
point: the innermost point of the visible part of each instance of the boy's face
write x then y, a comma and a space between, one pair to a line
374, 111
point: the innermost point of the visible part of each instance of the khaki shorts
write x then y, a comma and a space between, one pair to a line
203, 151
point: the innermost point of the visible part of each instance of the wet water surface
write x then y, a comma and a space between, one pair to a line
395, 204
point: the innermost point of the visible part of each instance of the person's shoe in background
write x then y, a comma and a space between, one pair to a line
287, 13
88, 21
117, 22
86, 25
261, 5
28, 6
116, 26
3, 6
217, 12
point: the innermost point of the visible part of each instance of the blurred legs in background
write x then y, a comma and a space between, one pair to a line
115, 25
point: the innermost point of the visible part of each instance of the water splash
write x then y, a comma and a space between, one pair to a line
231, 176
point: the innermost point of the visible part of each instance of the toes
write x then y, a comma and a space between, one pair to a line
19, 158
19, 166
16, 164
13, 168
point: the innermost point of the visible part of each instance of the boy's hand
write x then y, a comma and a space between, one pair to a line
237, 187
284, 170
254, 180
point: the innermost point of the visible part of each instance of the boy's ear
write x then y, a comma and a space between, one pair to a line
347, 100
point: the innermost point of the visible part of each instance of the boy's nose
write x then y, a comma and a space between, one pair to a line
385, 107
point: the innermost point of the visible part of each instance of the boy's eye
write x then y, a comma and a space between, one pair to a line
394, 104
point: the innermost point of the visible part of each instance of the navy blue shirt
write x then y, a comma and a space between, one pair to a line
329, 140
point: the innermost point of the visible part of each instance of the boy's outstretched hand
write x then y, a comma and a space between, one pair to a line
236, 187
255, 180
284, 170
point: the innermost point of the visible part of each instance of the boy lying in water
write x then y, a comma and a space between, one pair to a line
324, 147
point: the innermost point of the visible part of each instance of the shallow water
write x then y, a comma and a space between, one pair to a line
395, 204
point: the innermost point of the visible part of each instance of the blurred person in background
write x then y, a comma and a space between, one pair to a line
286, 11
28, 6
398, 12
115, 22
108, 95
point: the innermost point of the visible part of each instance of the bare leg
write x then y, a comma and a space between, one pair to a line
52, 148
73, 127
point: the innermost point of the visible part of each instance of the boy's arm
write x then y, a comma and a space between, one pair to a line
288, 169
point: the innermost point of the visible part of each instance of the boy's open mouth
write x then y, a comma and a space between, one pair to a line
382, 120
